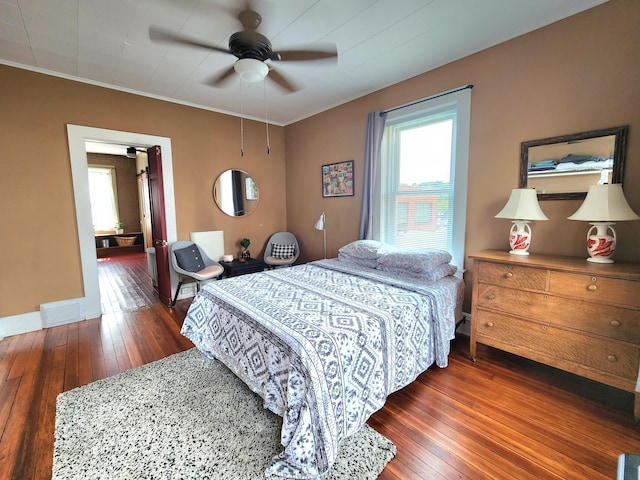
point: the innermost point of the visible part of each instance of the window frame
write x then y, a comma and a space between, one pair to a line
460, 101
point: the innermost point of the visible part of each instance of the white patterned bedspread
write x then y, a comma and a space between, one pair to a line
324, 345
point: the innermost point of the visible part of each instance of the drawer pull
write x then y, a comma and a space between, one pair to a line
492, 296
489, 324
592, 288
508, 275
612, 358
615, 323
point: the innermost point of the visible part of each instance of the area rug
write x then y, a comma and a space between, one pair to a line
183, 417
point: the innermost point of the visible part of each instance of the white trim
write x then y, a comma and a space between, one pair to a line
77, 135
22, 323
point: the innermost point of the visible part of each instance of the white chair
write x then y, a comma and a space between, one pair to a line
282, 250
190, 262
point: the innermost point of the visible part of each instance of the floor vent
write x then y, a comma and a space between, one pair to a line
59, 313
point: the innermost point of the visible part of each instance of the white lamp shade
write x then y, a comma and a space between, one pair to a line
522, 205
251, 70
605, 203
319, 225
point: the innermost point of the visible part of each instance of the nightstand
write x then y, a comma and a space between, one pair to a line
236, 267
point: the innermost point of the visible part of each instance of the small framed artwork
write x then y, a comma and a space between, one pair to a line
337, 179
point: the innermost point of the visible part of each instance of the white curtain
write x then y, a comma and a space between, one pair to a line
375, 130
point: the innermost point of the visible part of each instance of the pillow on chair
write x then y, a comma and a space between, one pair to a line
282, 251
189, 258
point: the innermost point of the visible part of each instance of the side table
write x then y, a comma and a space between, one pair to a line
236, 267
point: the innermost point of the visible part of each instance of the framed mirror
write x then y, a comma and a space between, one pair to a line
236, 193
562, 168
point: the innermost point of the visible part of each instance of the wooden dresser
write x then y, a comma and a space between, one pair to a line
575, 315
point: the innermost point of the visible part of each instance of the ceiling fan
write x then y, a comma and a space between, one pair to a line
252, 50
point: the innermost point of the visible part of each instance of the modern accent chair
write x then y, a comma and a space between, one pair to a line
191, 263
282, 250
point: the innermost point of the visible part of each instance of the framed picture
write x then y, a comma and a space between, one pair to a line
337, 179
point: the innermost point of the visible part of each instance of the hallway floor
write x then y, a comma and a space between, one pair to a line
125, 283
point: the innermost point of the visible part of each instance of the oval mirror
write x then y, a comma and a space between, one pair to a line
563, 167
236, 193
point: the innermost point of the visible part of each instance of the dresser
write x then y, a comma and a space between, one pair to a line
575, 315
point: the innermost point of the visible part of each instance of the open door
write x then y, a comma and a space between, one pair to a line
158, 224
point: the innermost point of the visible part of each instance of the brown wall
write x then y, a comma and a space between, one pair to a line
576, 75
39, 251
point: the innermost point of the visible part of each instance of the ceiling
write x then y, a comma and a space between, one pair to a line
379, 43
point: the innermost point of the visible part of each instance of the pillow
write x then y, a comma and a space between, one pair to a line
189, 258
419, 261
282, 251
437, 273
363, 262
366, 249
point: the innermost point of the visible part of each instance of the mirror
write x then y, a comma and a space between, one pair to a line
235, 193
562, 168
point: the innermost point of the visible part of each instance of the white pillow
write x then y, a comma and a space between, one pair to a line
365, 249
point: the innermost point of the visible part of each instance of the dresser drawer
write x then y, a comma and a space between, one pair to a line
595, 288
612, 322
512, 276
608, 356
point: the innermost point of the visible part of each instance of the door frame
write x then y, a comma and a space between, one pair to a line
77, 135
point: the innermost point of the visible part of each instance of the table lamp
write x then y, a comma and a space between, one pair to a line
603, 206
522, 207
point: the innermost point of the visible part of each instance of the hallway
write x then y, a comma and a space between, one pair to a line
125, 283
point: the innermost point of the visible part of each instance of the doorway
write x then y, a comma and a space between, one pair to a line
120, 197
77, 136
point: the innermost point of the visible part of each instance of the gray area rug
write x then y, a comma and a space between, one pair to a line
183, 417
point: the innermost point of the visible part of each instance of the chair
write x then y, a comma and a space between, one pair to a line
190, 262
282, 250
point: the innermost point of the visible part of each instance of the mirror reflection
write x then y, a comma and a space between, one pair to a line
236, 193
564, 167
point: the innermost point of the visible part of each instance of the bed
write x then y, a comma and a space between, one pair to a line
325, 343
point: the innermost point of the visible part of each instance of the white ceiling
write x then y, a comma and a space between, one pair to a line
106, 42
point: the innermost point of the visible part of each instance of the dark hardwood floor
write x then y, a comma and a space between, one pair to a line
500, 418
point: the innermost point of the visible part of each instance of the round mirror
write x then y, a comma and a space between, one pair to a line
235, 193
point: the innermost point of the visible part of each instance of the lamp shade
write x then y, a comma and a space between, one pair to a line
319, 225
522, 205
605, 203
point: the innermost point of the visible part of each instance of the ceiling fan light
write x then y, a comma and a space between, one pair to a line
251, 70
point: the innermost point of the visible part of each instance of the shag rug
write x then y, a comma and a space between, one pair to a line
183, 417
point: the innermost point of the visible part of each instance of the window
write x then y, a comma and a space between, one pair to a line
422, 192
103, 195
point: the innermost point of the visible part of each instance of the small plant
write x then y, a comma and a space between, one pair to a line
245, 242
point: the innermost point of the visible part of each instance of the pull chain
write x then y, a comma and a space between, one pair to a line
266, 116
241, 121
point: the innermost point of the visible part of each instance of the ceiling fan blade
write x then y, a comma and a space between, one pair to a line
164, 36
282, 81
218, 80
303, 55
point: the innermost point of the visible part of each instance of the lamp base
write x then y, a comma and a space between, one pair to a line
601, 245
599, 260
520, 237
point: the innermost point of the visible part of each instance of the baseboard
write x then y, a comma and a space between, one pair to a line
51, 314
17, 324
